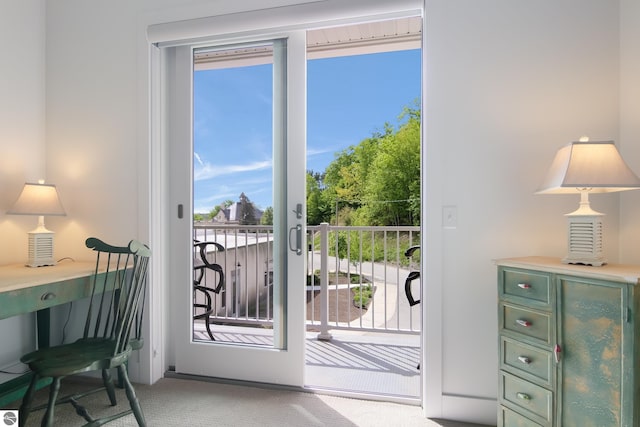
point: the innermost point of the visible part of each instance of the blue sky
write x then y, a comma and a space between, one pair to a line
348, 99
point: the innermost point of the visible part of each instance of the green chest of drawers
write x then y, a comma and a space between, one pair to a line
569, 344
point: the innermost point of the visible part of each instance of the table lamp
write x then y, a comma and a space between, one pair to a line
39, 199
587, 167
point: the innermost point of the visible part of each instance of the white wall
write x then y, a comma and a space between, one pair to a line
92, 121
22, 142
508, 82
22, 116
630, 126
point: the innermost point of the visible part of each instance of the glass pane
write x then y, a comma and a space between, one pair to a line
233, 193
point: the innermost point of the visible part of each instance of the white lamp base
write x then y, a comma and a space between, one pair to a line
40, 248
585, 238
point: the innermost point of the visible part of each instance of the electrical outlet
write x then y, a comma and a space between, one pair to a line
449, 217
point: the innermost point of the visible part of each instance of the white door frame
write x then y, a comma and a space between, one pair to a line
160, 30
283, 363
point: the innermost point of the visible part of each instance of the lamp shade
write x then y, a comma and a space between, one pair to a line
593, 165
587, 167
38, 199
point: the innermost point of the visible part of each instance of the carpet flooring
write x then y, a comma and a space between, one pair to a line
173, 402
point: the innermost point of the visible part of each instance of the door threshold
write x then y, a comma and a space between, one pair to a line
378, 397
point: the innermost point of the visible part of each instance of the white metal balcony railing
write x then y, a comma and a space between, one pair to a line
355, 277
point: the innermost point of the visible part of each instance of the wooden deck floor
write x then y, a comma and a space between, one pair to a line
363, 364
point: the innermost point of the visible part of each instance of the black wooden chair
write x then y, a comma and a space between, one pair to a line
112, 331
204, 306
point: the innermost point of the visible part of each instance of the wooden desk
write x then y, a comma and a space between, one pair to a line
27, 290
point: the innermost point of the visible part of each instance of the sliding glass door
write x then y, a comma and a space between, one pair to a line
238, 107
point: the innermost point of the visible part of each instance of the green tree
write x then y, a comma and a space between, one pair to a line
267, 216
246, 211
377, 182
318, 209
392, 187
345, 176
213, 212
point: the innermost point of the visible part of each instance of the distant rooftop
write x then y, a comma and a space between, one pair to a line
231, 239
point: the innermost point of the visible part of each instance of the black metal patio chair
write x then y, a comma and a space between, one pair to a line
413, 275
204, 307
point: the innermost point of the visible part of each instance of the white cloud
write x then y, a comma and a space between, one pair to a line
316, 152
208, 170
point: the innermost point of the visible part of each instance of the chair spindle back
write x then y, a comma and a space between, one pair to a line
118, 292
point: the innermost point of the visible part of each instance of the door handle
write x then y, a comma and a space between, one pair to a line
298, 244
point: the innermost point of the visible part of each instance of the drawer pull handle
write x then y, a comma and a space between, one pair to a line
523, 396
524, 323
524, 359
556, 352
48, 296
524, 286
